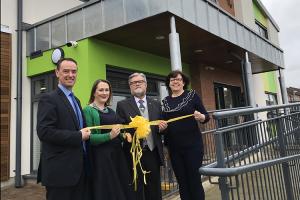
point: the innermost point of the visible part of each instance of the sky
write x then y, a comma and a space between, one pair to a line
286, 14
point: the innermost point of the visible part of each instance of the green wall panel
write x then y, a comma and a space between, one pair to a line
44, 64
259, 16
94, 55
270, 82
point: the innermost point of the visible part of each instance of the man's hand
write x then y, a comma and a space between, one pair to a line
162, 125
85, 134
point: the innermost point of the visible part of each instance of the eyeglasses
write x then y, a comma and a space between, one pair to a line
137, 82
175, 79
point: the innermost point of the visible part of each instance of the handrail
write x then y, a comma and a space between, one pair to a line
244, 169
221, 115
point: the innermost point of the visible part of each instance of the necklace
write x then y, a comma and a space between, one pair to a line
104, 110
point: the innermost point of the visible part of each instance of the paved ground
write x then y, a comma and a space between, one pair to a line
32, 191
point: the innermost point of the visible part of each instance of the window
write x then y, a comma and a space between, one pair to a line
58, 32
227, 96
42, 37
271, 99
261, 30
119, 82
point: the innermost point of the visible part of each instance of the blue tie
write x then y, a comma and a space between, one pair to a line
78, 115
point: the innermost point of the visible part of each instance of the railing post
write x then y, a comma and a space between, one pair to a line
220, 156
285, 166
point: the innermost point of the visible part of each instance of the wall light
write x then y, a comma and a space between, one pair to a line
209, 68
160, 37
198, 51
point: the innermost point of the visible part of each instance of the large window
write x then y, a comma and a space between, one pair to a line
261, 30
227, 96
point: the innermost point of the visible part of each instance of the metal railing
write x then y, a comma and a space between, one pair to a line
168, 180
258, 157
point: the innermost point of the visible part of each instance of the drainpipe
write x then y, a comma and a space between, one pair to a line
249, 81
18, 177
283, 87
174, 46
244, 84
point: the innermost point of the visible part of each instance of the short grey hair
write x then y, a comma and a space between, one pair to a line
137, 74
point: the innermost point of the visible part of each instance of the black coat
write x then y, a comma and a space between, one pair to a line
61, 161
128, 108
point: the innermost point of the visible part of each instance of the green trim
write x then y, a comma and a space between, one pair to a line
93, 55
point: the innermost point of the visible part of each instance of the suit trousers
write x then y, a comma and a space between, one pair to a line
150, 163
81, 191
186, 163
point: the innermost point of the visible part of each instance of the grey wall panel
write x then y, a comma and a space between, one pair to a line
58, 32
157, 6
175, 7
281, 59
269, 52
272, 57
136, 10
253, 43
188, 8
247, 39
232, 31
113, 13
258, 45
93, 20
213, 22
202, 14
263, 48
277, 56
223, 20
240, 35
75, 26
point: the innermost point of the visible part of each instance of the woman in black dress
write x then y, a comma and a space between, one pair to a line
183, 137
110, 174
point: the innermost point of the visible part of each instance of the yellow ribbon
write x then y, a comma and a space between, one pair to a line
142, 126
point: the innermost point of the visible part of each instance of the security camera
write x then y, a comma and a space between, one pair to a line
72, 44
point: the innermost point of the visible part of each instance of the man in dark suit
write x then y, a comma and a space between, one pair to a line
63, 165
152, 157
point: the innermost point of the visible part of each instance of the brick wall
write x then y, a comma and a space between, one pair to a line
5, 103
202, 80
227, 5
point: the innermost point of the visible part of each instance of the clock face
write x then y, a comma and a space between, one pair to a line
57, 54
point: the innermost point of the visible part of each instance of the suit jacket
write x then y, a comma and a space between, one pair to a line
128, 108
61, 161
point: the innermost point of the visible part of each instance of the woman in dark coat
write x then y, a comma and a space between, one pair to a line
183, 137
110, 174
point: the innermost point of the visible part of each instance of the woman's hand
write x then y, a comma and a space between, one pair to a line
199, 116
162, 125
128, 137
115, 131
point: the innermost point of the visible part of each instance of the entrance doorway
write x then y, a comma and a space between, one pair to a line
39, 86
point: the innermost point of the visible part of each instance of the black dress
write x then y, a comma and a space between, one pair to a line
110, 173
184, 141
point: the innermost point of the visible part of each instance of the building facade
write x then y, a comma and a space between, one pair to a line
224, 47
